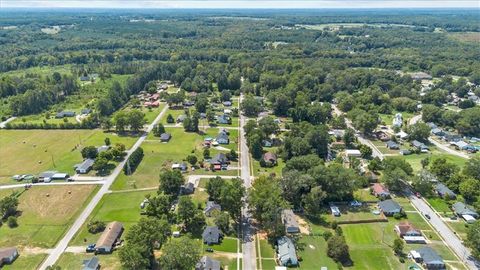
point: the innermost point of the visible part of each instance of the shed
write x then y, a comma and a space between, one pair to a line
91, 264
165, 137
286, 253
289, 221
109, 237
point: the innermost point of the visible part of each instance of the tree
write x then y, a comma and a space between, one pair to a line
158, 130
472, 168
314, 200
473, 238
136, 120
150, 233
170, 119
349, 137
187, 212
89, 152
232, 155
107, 141
206, 154
418, 131
422, 184
268, 126
337, 249
95, 226
179, 254
133, 160
231, 196
394, 179
470, 189
425, 162
159, 206
398, 246
8, 205
443, 169
222, 220
225, 95
214, 188
133, 256
12, 222
170, 182
250, 106
375, 164
192, 159
121, 121
366, 151
100, 164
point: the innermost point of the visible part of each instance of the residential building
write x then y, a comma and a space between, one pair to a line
380, 191
86, 111
85, 166
353, 153
91, 264
188, 188
428, 257
389, 207
46, 176
419, 145
462, 210
219, 161
444, 192
227, 103
289, 221
270, 159
409, 233
418, 76
109, 237
402, 135
392, 145
224, 119
212, 235
397, 120
437, 132
8, 255
286, 253
211, 207
405, 152
181, 118
222, 138
65, 114
207, 263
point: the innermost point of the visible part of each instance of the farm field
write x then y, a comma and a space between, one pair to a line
116, 206
45, 213
51, 149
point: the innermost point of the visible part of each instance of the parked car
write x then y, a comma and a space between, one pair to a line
90, 248
209, 249
426, 215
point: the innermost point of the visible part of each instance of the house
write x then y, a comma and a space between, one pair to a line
60, 176
389, 207
227, 111
289, 221
109, 237
188, 188
207, 263
102, 148
380, 191
353, 153
397, 120
211, 207
437, 132
418, 76
428, 257
181, 118
212, 235
86, 111
85, 166
224, 119
8, 255
401, 134
46, 176
91, 264
165, 137
444, 192
188, 103
405, 152
84, 78
382, 136
227, 103
392, 145
65, 114
154, 104
462, 210
419, 145
286, 253
222, 138
335, 210
219, 161
409, 233
451, 137
270, 159
183, 167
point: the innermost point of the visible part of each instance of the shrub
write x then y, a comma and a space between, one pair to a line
96, 226
326, 235
12, 222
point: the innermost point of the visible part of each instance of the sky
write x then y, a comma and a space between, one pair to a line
290, 4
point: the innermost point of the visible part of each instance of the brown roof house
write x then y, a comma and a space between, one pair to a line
380, 191
269, 159
409, 233
8, 255
109, 237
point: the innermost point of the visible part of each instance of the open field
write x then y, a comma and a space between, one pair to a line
34, 151
74, 260
26, 262
150, 113
415, 159
277, 169
43, 219
121, 206
314, 253
466, 36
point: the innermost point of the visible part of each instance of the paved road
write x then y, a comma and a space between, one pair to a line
447, 149
62, 245
54, 184
2, 124
248, 243
448, 236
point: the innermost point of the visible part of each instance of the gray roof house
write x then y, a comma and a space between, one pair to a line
181, 118
444, 191
165, 137
188, 188
220, 158
222, 138
86, 111
288, 219
419, 145
65, 114
224, 119
389, 207
211, 235
429, 258
286, 253
207, 263
227, 103
8, 255
85, 166
462, 209
437, 132
392, 145
210, 207
91, 264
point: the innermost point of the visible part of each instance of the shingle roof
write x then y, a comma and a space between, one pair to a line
110, 234
211, 205
389, 206
85, 165
207, 263
463, 209
7, 252
429, 256
220, 158
444, 190
211, 234
288, 219
91, 264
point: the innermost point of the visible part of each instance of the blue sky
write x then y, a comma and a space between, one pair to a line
242, 3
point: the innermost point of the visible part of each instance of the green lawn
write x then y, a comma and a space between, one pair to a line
117, 206
277, 169
268, 264
74, 260
227, 245
313, 252
364, 195
266, 250
26, 262
34, 151
415, 159
150, 113
353, 213
440, 205
45, 214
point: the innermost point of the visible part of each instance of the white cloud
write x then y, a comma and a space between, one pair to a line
242, 4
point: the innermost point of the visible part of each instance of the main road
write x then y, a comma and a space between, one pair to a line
62, 245
248, 243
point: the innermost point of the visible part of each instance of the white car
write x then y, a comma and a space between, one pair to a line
355, 203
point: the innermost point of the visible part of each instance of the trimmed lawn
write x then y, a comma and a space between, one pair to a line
404, 202
74, 260
353, 213
46, 212
460, 227
380, 257
266, 250
415, 159
314, 253
440, 205
26, 262
34, 151
364, 195
150, 113
268, 264
277, 169
117, 206
227, 245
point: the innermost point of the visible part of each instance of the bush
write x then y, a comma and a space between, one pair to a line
399, 215
326, 235
96, 226
12, 222
334, 224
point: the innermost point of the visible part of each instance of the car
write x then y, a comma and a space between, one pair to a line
355, 203
209, 249
426, 215
70, 179
453, 217
90, 248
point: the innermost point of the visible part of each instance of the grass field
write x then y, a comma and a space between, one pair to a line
26, 262
120, 206
34, 151
43, 219
277, 169
440, 205
74, 261
314, 253
415, 159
